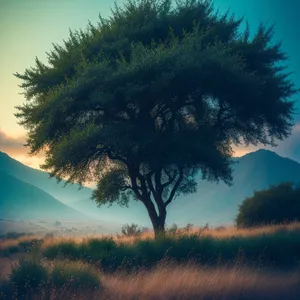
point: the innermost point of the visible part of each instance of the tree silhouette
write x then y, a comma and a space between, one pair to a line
145, 100
280, 203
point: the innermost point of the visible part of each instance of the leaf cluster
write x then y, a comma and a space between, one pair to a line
280, 203
148, 98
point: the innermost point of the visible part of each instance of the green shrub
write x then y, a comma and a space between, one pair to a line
51, 251
103, 244
25, 245
13, 249
96, 250
67, 249
172, 230
275, 205
6, 289
74, 275
29, 275
280, 248
131, 230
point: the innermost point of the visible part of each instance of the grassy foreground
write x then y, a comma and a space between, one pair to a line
276, 249
69, 280
224, 263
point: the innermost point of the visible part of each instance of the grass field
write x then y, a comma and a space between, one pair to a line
222, 263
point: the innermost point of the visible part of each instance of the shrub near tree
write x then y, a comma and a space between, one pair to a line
278, 204
145, 100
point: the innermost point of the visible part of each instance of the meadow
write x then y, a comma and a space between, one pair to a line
190, 263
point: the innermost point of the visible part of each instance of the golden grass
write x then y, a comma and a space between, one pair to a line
232, 231
219, 233
15, 242
174, 282
189, 282
222, 232
186, 282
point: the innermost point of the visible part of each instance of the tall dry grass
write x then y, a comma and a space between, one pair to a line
173, 282
218, 232
170, 281
189, 282
221, 232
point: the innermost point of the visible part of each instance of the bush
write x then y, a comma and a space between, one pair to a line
131, 230
94, 250
74, 275
277, 249
67, 249
173, 230
278, 204
25, 245
6, 289
13, 249
29, 275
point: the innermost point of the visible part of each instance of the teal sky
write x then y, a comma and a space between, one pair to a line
29, 27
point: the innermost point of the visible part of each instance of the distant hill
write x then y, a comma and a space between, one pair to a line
213, 203
41, 180
71, 195
218, 203
21, 200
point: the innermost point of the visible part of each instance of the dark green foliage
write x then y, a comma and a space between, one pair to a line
67, 249
31, 280
25, 245
116, 102
280, 203
94, 250
29, 275
13, 249
279, 249
74, 276
131, 230
6, 289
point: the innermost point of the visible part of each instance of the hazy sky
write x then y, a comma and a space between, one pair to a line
29, 27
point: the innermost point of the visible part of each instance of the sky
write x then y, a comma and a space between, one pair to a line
29, 27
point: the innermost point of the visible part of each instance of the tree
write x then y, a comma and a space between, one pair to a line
280, 203
149, 98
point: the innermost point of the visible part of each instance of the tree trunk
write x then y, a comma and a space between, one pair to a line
159, 230
159, 225
158, 220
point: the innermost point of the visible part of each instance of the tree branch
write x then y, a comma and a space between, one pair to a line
156, 191
175, 187
136, 189
171, 179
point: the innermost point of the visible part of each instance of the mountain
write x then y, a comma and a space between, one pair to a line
218, 203
70, 195
24, 201
41, 180
213, 203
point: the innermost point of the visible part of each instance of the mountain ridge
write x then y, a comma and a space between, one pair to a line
41, 179
213, 203
25, 201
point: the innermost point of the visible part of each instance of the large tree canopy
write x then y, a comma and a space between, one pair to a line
148, 98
